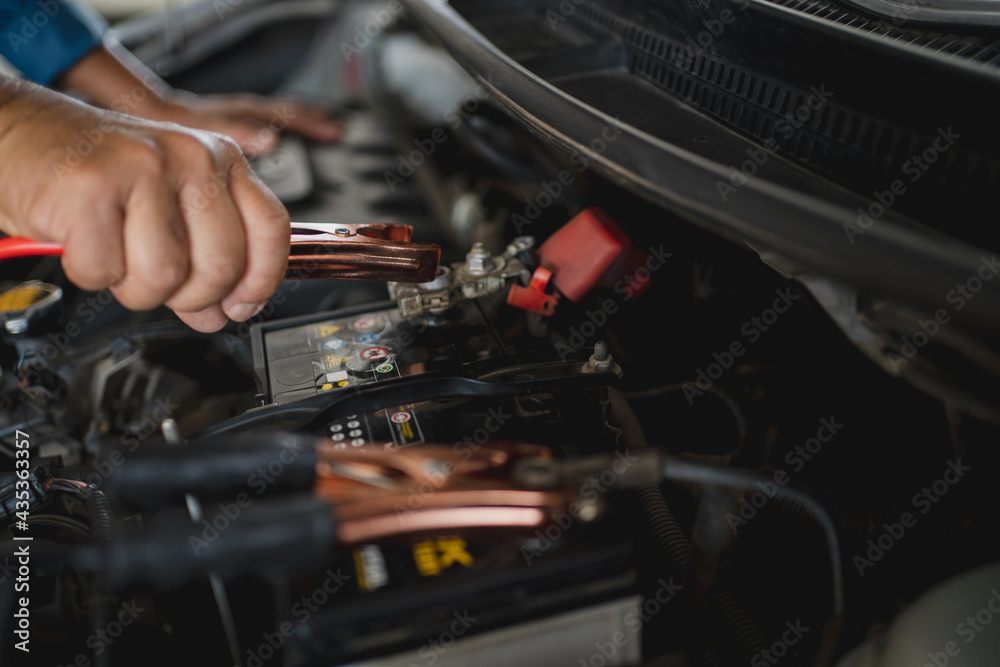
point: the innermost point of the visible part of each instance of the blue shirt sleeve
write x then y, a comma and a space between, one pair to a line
44, 38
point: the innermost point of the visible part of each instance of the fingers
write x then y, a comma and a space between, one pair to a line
90, 229
254, 137
156, 247
215, 228
312, 123
308, 120
267, 228
208, 320
158, 213
238, 242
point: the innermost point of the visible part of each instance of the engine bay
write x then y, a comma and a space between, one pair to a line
601, 435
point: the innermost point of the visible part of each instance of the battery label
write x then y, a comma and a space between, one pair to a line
328, 330
404, 426
369, 562
432, 557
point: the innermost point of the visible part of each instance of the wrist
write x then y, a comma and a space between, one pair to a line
107, 80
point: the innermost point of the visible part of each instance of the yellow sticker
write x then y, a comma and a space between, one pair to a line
327, 387
329, 330
432, 557
333, 362
359, 567
425, 556
22, 297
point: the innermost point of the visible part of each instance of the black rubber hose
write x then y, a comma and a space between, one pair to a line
99, 514
159, 474
674, 545
681, 470
292, 535
671, 540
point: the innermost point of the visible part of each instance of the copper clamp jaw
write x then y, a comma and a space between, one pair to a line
377, 251
383, 493
319, 250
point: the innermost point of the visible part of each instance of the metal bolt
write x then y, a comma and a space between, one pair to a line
436, 470
600, 361
478, 260
520, 244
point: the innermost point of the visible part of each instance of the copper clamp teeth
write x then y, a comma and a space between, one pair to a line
376, 251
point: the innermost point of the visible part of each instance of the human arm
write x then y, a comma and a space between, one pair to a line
155, 212
113, 78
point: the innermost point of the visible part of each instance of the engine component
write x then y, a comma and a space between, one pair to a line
26, 308
589, 251
478, 276
377, 251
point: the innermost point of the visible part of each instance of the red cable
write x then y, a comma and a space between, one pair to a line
16, 246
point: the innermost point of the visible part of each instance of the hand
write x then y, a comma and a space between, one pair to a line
253, 122
158, 213
113, 78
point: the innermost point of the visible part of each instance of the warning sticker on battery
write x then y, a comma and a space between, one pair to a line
403, 425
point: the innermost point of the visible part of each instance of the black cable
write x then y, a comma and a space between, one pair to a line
314, 412
670, 538
100, 518
714, 390
680, 470
99, 514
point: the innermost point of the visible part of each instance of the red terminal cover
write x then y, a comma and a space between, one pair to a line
591, 251
533, 297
